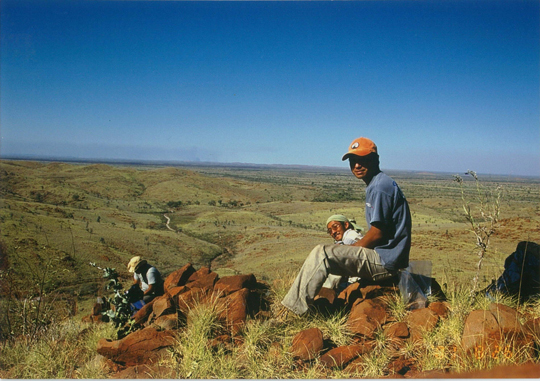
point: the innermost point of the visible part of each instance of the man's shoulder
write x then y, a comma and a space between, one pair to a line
154, 271
382, 181
384, 184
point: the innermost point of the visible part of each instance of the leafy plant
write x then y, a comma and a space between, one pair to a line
120, 314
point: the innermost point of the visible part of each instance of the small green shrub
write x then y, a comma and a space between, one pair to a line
120, 315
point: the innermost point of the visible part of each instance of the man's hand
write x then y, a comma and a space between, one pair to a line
374, 237
149, 290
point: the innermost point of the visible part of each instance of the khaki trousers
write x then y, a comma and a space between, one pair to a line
340, 260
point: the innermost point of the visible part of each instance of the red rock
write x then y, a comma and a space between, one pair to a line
188, 300
479, 326
350, 294
97, 308
497, 328
142, 315
366, 316
138, 347
203, 271
429, 374
307, 344
340, 356
355, 367
533, 327
99, 319
175, 291
328, 294
167, 322
397, 330
442, 309
229, 284
223, 341
507, 318
133, 373
163, 305
204, 281
94, 319
237, 341
400, 366
420, 321
514, 333
371, 291
234, 307
178, 277
529, 370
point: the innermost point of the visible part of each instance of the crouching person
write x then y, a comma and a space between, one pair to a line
147, 278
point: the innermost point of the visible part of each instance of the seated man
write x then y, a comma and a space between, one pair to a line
380, 253
147, 277
344, 232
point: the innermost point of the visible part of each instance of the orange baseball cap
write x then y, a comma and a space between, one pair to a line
360, 147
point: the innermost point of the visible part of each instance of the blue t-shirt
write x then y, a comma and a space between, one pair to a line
386, 204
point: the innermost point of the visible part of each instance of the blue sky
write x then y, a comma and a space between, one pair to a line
438, 85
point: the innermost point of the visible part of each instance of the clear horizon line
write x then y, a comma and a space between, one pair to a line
72, 159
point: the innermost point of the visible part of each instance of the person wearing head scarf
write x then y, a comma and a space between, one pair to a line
344, 232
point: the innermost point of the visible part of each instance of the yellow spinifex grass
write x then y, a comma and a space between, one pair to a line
66, 350
375, 362
395, 306
192, 356
263, 354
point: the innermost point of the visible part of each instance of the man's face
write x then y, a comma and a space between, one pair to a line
336, 229
361, 166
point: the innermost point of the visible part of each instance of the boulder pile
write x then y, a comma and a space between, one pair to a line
237, 297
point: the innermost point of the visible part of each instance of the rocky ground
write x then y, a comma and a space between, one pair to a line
237, 297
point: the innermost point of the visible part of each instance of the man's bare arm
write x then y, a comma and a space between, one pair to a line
374, 236
149, 290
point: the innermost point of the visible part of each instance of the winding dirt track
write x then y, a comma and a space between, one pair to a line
168, 220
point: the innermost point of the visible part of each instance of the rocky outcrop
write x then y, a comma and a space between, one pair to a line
234, 310
178, 277
235, 298
229, 284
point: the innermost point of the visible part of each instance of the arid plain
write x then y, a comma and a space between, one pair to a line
236, 219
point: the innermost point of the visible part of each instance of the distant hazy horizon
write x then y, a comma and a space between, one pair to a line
241, 165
